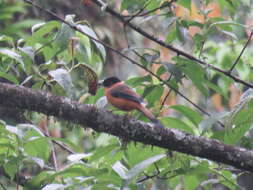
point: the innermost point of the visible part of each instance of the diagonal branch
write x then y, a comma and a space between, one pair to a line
243, 49
74, 27
168, 46
102, 120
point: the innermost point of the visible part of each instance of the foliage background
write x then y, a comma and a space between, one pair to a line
39, 52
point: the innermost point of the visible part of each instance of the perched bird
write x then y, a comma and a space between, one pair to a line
123, 97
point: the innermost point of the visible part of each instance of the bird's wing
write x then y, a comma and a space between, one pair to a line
125, 92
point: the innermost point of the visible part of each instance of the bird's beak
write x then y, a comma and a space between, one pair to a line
100, 83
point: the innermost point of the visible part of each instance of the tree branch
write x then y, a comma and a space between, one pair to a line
168, 46
102, 120
243, 49
132, 61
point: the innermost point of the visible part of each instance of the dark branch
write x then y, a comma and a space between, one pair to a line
238, 58
172, 48
74, 27
102, 120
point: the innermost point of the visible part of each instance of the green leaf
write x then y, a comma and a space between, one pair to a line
120, 169
140, 167
4, 38
9, 77
153, 93
38, 180
13, 55
191, 182
195, 72
226, 25
150, 58
78, 156
28, 55
177, 124
66, 32
137, 81
174, 70
91, 33
239, 120
132, 5
38, 147
54, 186
171, 36
216, 88
42, 33
179, 34
185, 3
63, 78
190, 114
199, 41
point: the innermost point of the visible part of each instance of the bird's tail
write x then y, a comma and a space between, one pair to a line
149, 115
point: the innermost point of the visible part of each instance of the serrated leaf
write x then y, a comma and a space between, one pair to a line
90, 77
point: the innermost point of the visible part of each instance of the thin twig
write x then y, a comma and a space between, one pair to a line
59, 144
227, 179
2, 186
138, 13
118, 52
164, 100
44, 45
157, 173
167, 4
54, 159
168, 46
238, 58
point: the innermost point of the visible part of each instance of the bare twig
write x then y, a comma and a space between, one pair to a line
60, 144
168, 46
164, 100
166, 4
138, 13
238, 58
157, 173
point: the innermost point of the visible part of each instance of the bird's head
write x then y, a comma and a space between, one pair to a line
108, 82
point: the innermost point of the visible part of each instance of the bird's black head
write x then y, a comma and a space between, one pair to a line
108, 82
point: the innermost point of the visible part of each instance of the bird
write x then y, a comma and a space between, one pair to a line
125, 98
